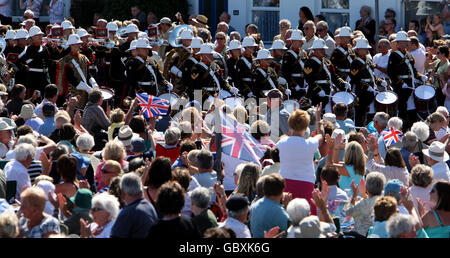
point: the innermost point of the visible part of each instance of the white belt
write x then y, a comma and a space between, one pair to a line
246, 79
404, 76
108, 63
366, 80
210, 89
146, 83
344, 70
322, 81
296, 75
37, 70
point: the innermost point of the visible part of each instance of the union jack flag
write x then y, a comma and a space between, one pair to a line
152, 106
391, 136
237, 142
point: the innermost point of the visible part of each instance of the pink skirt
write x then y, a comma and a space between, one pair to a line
301, 189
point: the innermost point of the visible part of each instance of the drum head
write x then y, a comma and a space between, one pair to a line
107, 93
425, 92
290, 105
172, 98
224, 94
344, 97
386, 97
233, 102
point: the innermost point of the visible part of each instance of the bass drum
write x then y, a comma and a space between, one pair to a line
387, 102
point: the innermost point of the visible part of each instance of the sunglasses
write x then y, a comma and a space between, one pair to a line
220, 38
104, 171
96, 209
388, 23
306, 28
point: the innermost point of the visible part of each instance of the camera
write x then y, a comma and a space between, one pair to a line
152, 31
101, 33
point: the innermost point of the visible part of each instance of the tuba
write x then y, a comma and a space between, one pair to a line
175, 34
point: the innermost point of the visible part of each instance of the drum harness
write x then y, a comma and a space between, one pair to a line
150, 69
302, 65
210, 71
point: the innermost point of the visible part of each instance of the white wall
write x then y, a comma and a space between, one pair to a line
238, 21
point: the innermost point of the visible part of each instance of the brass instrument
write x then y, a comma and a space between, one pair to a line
175, 34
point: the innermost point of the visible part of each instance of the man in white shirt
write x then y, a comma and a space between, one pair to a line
436, 157
419, 55
309, 29
50, 96
382, 58
237, 211
322, 32
5, 138
17, 169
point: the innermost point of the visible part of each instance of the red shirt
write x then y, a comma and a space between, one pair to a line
172, 152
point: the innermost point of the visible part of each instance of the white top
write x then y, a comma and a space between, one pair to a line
4, 149
330, 44
193, 184
296, 158
238, 227
419, 60
441, 171
106, 229
390, 172
15, 171
11, 154
381, 61
229, 166
441, 133
423, 194
337, 194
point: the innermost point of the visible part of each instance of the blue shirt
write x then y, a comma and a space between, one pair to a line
177, 163
346, 181
47, 127
134, 220
266, 214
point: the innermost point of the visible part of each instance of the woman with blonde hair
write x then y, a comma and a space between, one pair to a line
114, 150
354, 166
247, 181
297, 155
221, 43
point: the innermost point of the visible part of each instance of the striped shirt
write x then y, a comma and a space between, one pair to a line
35, 170
56, 13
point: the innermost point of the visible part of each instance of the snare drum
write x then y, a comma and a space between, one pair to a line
233, 102
171, 97
291, 105
107, 94
424, 98
387, 101
344, 97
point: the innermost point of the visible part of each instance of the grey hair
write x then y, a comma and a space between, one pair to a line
85, 142
107, 202
395, 122
298, 209
381, 118
237, 214
312, 25
172, 135
285, 21
367, 9
409, 140
375, 182
422, 130
323, 24
23, 151
422, 175
205, 159
442, 110
200, 197
312, 115
28, 138
131, 184
398, 224
386, 42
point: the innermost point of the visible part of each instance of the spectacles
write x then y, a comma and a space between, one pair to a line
96, 209
220, 38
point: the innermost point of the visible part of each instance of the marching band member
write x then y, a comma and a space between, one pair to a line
143, 74
36, 59
20, 49
342, 56
188, 65
67, 31
244, 67
264, 77
87, 50
206, 76
278, 49
177, 56
10, 39
293, 65
403, 75
234, 50
72, 75
364, 80
319, 74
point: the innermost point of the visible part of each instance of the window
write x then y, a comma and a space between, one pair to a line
335, 4
266, 15
17, 13
420, 10
336, 12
